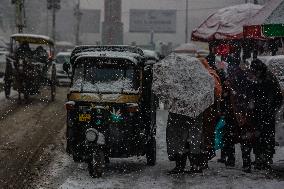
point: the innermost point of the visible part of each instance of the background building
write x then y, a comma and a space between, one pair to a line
141, 20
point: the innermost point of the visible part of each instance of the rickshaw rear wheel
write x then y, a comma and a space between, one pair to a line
53, 83
151, 152
96, 164
7, 88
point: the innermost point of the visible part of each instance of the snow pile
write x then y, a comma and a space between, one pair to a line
118, 86
183, 84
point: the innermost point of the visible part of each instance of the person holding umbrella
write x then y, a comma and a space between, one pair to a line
187, 89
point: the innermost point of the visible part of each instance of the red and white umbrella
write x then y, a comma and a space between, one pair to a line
226, 23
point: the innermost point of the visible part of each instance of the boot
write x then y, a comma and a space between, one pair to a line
223, 157
195, 163
246, 166
230, 162
180, 165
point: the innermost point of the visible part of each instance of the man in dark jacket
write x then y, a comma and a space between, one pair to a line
242, 101
268, 100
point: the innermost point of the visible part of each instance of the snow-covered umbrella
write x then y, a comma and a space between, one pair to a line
226, 23
183, 84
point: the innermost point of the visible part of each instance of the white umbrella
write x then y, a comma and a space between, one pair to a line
183, 84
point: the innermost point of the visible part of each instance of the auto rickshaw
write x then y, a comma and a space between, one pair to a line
29, 65
110, 108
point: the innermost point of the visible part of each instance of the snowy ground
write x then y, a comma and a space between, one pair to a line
63, 173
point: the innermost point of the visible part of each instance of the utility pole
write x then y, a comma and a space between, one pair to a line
186, 22
112, 33
53, 5
20, 14
78, 14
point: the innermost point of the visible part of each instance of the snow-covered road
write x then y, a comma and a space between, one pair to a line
63, 173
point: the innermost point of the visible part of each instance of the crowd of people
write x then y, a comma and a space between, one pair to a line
247, 98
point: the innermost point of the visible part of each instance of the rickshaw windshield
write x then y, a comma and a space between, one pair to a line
106, 76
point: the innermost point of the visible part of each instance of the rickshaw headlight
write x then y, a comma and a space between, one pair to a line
92, 135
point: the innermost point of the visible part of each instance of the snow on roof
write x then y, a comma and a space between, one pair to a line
108, 54
64, 54
25, 35
64, 43
226, 23
187, 48
150, 54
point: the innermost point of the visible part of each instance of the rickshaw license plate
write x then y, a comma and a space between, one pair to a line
84, 117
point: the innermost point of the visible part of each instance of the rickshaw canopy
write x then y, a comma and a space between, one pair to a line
133, 54
34, 39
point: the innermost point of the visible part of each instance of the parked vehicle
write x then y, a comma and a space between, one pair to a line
61, 75
30, 66
111, 107
3, 55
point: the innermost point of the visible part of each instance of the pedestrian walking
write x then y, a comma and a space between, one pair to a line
268, 100
242, 101
187, 89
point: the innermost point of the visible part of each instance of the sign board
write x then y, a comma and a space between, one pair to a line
159, 21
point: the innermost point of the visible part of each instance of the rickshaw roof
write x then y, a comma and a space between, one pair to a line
32, 38
132, 57
151, 55
133, 54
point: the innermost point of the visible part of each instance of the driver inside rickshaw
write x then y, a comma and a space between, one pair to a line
40, 54
24, 51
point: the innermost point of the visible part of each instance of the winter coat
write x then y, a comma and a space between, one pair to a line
268, 99
242, 100
213, 73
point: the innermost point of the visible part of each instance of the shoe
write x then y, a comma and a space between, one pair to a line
176, 170
247, 169
221, 160
196, 171
230, 163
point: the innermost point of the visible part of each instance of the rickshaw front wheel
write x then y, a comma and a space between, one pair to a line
96, 164
151, 152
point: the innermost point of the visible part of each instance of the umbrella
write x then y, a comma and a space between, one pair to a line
183, 84
189, 48
226, 23
268, 22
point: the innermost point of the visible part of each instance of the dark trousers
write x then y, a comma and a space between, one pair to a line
229, 140
246, 148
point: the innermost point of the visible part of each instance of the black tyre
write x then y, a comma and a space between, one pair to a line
151, 152
96, 164
7, 88
53, 83
77, 158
